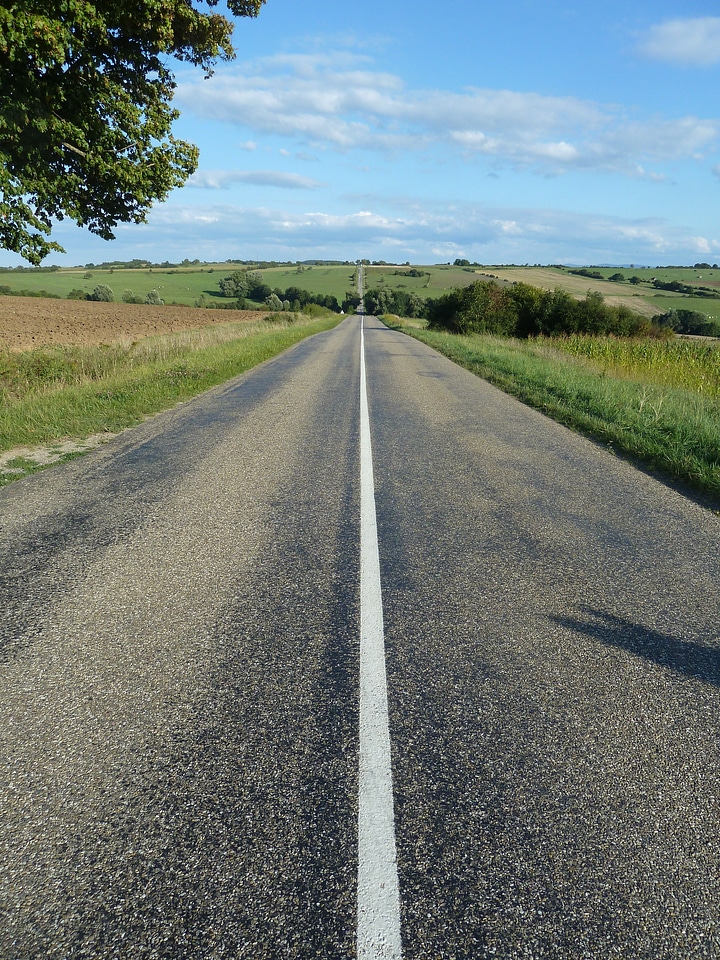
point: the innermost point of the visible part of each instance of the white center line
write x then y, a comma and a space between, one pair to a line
378, 929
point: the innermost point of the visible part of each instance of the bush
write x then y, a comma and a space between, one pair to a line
398, 302
690, 322
153, 299
273, 302
102, 293
524, 311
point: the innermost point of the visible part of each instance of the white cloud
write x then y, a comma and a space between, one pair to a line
331, 103
421, 233
694, 41
408, 230
222, 179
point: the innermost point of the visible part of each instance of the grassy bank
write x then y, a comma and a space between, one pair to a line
662, 409
53, 393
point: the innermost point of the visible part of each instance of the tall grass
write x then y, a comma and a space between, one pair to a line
57, 392
659, 406
684, 364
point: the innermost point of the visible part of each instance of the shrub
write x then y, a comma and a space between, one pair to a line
273, 302
689, 322
524, 311
102, 293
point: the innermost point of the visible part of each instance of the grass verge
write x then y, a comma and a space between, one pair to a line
53, 393
675, 431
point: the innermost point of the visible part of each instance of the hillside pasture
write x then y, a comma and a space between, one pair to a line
335, 280
550, 278
199, 283
180, 285
174, 285
435, 279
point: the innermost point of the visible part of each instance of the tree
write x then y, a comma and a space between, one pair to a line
102, 293
85, 109
236, 285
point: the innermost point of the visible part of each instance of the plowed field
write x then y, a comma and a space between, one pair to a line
27, 322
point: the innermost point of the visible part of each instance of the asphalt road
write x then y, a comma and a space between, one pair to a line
179, 669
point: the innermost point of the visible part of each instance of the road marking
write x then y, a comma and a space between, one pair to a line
378, 928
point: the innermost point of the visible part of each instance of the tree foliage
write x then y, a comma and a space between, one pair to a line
85, 109
249, 284
689, 322
521, 310
103, 293
398, 302
243, 283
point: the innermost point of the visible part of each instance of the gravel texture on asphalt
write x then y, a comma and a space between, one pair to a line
179, 673
553, 638
179, 684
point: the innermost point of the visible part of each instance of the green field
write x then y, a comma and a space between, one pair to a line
188, 284
435, 279
198, 283
182, 285
642, 297
335, 281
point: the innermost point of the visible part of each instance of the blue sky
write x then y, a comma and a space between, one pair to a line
525, 132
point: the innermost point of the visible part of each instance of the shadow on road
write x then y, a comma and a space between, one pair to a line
692, 659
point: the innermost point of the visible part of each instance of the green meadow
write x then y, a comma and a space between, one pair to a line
183, 285
190, 284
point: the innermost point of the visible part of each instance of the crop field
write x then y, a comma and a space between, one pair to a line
680, 363
643, 297
198, 284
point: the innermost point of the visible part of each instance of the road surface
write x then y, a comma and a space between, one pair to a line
180, 671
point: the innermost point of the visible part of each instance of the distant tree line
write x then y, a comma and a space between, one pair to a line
248, 285
7, 291
102, 293
677, 287
688, 322
400, 302
586, 272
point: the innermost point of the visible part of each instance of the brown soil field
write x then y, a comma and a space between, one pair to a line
28, 322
